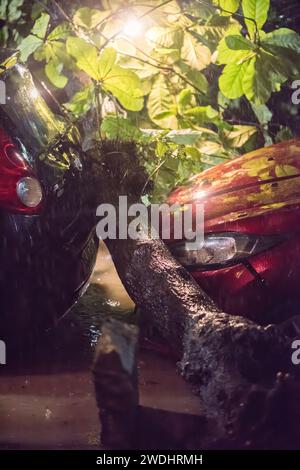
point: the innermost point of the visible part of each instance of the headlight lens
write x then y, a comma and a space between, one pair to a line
222, 249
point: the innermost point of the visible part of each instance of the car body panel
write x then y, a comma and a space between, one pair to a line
259, 194
46, 258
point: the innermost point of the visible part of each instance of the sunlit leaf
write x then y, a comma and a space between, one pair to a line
161, 100
238, 42
40, 26
125, 86
185, 98
89, 17
114, 127
184, 136
232, 79
28, 46
239, 135
231, 6
53, 72
85, 54
257, 10
202, 114
161, 37
283, 37
264, 75
106, 62
233, 47
82, 101
196, 79
60, 32
195, 54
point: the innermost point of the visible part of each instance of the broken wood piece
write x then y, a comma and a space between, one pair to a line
115, 379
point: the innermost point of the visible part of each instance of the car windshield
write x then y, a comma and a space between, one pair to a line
36, 124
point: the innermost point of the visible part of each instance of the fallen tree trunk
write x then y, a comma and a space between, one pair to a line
221, 355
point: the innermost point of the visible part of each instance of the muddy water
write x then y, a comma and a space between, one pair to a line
46, 397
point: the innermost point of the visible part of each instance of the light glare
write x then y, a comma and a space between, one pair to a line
132, 28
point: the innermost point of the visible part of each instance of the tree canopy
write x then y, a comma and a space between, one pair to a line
193, 83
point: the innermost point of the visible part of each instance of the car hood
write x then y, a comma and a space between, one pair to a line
265, 180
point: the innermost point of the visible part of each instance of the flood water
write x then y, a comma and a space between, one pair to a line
47, 397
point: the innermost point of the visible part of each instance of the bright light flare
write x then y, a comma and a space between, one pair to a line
132, 28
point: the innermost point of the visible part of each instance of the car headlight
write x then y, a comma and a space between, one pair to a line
222, 249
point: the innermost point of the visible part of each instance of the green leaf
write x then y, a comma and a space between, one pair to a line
184, 136
89, 18
185, 98
197, 79
53, 71
3, 9
161, 100
125, 85
165, 114
106, 62
264, 75
284, 37
82, 101
61, 31
40, 26
262, 112
118, 128
211, 34
231, 6
14, 12
232, 78
233, 48
258, 11
86, 56
195, 54
239, 136
256, 83
284, 134
158, 36
238, 42
28, 46
53, 50
203, 114
36, 10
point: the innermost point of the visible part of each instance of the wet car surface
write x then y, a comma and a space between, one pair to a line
250, 262
47, 245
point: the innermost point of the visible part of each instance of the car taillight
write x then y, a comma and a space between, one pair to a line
20, 191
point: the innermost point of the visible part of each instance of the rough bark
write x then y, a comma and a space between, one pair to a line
221, 355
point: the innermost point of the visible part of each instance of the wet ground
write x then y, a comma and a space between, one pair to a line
47, 397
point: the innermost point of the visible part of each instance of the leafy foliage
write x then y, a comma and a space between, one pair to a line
191, 82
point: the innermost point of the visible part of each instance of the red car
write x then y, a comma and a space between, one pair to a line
250, 261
